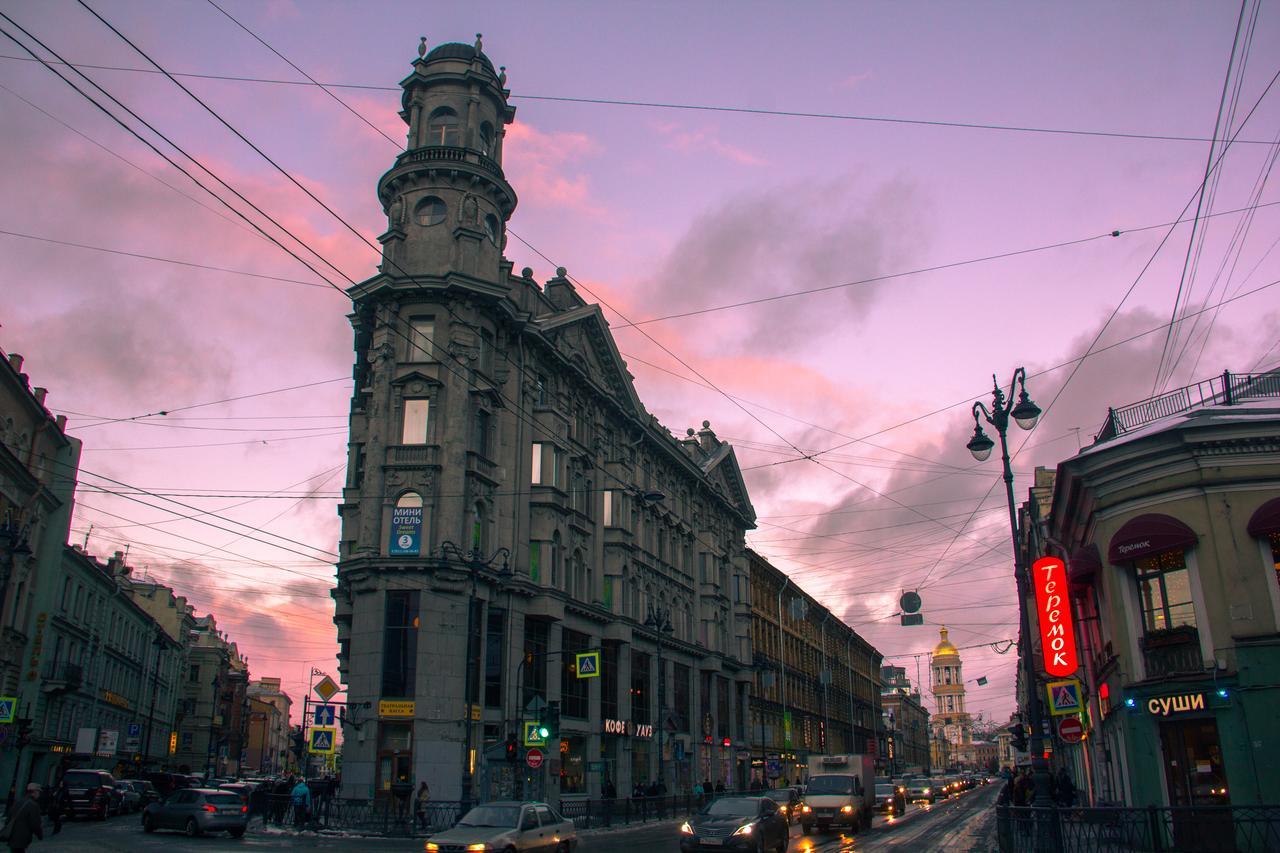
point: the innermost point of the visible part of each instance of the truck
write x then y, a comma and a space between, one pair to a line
840, 792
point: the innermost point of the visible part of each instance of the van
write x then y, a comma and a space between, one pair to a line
840, 792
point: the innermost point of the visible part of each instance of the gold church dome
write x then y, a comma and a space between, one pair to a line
944, 646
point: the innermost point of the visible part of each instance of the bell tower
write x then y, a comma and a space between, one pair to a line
446, 199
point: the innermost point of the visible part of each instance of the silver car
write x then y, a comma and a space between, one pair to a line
508, 825
196, 811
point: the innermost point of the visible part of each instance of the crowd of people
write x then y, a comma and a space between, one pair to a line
1020, 789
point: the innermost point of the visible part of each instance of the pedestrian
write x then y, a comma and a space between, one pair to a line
61, 805
1066, 788
24, 822
301, 797
280, 799
420, 800
719, 788
609, 793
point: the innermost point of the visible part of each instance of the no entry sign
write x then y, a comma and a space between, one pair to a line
533, 758
1071, 729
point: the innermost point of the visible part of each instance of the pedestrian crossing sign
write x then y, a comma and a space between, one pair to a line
587, 664
322, 740
1064, 697
8, 708
533, 735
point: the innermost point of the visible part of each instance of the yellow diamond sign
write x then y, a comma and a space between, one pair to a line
325, 688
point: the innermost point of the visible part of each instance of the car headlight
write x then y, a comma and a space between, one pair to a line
902, 790
926, 790
432, 847
476, 848
686, 829
805, 809
782, 809
745, 829
846, 809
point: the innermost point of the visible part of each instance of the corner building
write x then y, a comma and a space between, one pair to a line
510, 503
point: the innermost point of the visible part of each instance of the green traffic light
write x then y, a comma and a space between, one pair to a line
543, 731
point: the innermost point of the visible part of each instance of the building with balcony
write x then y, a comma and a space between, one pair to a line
906, 723
511, 505
817, 682
1169, 525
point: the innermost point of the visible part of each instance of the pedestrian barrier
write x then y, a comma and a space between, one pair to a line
1152, 829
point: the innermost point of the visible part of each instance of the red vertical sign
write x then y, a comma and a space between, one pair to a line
1057, 635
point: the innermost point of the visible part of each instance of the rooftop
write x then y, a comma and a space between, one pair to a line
1228, 389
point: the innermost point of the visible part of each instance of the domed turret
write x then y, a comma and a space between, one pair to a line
446, 198
944, 647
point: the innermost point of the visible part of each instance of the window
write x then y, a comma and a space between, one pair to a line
400, 643
608, 594
442, 127
535, 667
640, 702
536, 464
535, 561
607, 517
542, 388
193, 674
609, 681
422, 333
429, 211
493, 646
493, 229
680, 696
66, 594
484, 139
481, 440
1164, 590
1275, 552
546, 463
415, 421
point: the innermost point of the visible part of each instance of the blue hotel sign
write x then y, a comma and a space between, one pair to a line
406, 531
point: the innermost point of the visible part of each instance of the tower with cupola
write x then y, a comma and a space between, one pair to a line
951, 721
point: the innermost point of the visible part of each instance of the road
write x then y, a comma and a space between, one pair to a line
965, 824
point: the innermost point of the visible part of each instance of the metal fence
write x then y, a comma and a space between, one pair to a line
1225, 390
1190, 829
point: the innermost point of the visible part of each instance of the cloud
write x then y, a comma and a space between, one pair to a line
544, 167
784, 238
706, 140
854, 80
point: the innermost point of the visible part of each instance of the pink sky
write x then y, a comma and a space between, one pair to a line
655, 211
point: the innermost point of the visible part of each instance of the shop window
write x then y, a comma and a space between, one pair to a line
395, 755
1164, 591
573, 776
415, 421
574, 693
1274, 539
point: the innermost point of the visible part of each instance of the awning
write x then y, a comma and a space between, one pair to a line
1083, 564
1149, 534
1266, 520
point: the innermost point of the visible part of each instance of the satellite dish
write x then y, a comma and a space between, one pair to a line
910, 602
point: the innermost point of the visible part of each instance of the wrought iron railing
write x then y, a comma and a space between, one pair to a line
1186, 829
1225, 390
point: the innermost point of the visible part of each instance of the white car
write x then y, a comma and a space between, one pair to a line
507, 825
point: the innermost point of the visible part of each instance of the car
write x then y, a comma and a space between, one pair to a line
196, 811
891, 799
737, 823
130, 797
91, 793
921, 789
147, 791
240, 789
166, 783
507, 825
787, 800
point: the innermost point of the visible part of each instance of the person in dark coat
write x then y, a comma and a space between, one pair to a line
24, 823
1066, 789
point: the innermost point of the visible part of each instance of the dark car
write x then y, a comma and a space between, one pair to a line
147, 791
786, 798
737, 823
240, 789
196, 811
166, 783
92, 793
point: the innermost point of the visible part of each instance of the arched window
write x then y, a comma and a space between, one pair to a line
442, 127
484, 139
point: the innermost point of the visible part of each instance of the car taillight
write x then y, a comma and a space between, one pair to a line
244, 809
210, 808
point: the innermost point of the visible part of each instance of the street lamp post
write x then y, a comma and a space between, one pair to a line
474, 561
659, 621
1025, 414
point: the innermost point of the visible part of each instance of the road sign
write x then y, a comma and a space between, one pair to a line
1071, 730
326, 688
1064, 697
533, 735
587, 664
322, 740
8, 708
326, 715
533, 758
909, 619
133, 737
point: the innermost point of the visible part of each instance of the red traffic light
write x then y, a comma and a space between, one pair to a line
725, 743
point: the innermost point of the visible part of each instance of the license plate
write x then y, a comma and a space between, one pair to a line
712, 842
229, 811
75, 791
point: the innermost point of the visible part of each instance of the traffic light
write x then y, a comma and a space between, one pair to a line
24, 732
513, 748
551, 721
299, 744
1019, 733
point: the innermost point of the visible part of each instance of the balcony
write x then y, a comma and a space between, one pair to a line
413, 454
61, 677
451, 154
1172, 652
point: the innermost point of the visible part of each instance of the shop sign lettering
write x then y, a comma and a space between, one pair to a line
615, 727
626, 728
1164, 706
645, 730
1134, 546
1057, 636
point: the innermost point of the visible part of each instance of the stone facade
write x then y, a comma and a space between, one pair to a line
951, 722
510, 503
1170, 531
268, 745
906, 723
817, 682
213, 720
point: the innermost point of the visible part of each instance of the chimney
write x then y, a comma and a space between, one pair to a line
62, 423
15, 361
39, 394
117, 565
707, 438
